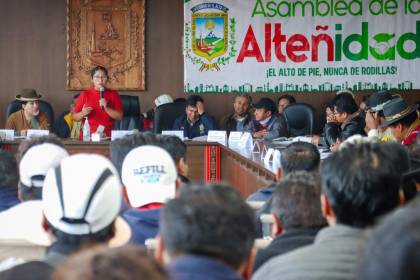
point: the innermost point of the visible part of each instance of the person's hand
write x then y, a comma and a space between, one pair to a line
315, 139
331, 118
260, 134
86, 110
23, 132
103, 103
372, 121
334, 147
200, 107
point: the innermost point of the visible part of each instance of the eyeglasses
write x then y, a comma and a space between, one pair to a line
100, 77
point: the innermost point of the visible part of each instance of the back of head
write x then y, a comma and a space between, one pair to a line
149, 176
296, 201
362, 181
345, 104
34, 166
192, 100
299, 156
393, 250
8, 170
173, 145
124, 263
81, 198
119, 148
27, 144
211, 221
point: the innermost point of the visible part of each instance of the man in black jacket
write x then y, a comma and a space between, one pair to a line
241, 119
345, 122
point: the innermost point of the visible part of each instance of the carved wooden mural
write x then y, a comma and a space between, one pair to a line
109, 33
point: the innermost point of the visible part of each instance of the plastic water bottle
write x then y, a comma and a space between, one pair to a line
86, 130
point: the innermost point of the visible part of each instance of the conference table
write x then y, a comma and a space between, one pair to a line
208, 162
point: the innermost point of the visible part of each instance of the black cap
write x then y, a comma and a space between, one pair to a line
267, 104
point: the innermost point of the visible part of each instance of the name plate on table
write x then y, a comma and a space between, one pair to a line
177, 133
7, 134
218, 136
116, 134
31, 133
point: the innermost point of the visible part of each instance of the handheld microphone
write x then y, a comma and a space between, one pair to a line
101, 92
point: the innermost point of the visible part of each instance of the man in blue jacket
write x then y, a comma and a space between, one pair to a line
195, 122
150, 178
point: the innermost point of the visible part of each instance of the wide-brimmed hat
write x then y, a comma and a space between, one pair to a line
377, 101
396, 110
28, 94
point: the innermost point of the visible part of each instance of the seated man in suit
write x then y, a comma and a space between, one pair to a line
29, 117
195, 122
267, 124
241, 119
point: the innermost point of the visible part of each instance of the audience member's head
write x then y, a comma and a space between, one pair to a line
8, 170
34, 166
393, 250
191, 107
264, 109
284, 101
299, 156
178, 151
27, 144
399, 116
124, 263
149, 176
242, 104
362, 182
296, 202
81, 199
119, 148
212, 221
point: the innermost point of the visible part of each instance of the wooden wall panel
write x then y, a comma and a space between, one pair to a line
33, 54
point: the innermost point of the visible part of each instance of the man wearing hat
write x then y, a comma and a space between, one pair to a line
375, 116
267, 125
29, 117
402, 120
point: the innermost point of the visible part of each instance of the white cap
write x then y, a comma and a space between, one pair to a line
90, 194
36, 162
149, 175
163, 99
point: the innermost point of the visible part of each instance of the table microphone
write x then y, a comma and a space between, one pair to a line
101, 92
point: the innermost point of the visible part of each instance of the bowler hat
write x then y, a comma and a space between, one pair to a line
267, 104
28, 94
397, 109
377, 100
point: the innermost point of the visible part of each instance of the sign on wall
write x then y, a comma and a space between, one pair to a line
109, 34
301, 45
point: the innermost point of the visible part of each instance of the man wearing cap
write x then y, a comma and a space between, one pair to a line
81, 199
29, 117
267, 125
403, 120
375, 116
196, 121
150, 179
